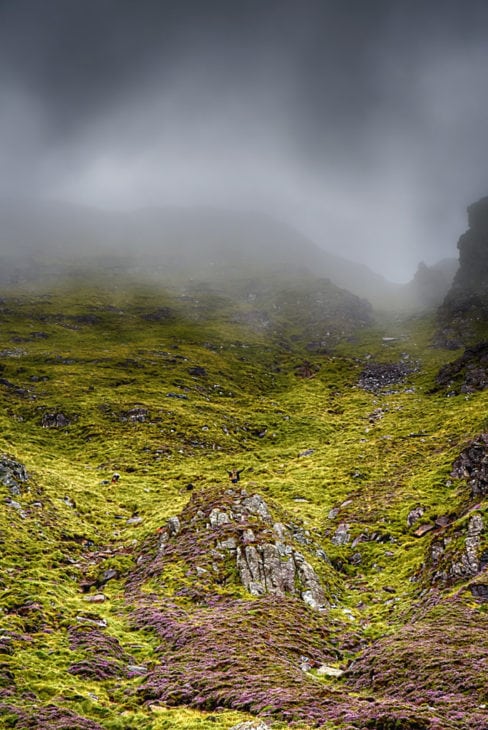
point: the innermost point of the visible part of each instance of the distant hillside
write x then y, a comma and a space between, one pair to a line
430, 284
38, 238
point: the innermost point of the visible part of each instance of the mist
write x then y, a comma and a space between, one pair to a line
361, 125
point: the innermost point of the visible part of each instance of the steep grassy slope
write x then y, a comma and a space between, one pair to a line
114, 615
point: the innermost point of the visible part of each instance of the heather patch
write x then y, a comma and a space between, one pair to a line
439, 661
257, 657
239, 654
105, 658
7, 680
50, 716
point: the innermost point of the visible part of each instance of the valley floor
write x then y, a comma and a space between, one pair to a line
350, 593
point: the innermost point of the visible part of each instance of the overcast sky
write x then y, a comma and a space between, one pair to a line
363, 122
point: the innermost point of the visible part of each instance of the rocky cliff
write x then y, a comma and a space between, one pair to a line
465, 307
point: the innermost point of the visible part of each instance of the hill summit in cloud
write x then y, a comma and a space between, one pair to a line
204, 243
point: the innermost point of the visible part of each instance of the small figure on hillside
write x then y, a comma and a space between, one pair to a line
115, 478
234, 475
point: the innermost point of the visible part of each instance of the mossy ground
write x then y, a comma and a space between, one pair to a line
135, 406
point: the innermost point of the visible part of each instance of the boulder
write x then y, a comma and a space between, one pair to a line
414, 515
341, 535
479, 591
197, 371
55, 419
137, 414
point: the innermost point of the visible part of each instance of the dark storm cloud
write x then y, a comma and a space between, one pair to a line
362, 123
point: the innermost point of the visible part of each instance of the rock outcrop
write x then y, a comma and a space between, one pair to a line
472, 465
13, 474
467, 373
55, 419
472, 275
466, 303
458, 552
231, 534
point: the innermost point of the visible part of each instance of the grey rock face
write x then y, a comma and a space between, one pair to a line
467, 299
251, 570
470, 559
473, 256
312, 592
266, 553
461, 566
256, 505
275, 567
262, 570
12, 474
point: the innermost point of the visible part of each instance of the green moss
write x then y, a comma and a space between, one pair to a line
308, 444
